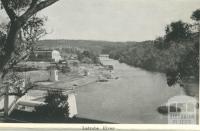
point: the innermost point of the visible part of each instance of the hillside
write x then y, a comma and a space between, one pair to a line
95, 46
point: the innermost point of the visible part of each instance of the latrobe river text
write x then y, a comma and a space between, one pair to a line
91, 128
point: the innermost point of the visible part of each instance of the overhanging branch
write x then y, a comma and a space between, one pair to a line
34, 8
8, 10
19, 94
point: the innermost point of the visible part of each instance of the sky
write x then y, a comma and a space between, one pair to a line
114, 20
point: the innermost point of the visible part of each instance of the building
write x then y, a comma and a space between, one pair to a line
46, 55
53, 74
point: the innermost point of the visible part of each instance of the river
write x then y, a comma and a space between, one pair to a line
133, 98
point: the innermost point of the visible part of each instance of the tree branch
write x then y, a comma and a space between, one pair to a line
8, 10
19, 94
34, 8
17, 22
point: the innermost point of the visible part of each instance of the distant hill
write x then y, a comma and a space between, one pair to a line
95, 46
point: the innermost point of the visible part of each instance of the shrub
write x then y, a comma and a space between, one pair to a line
88, 57
56, 107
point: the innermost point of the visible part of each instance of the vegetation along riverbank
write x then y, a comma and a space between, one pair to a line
176, 54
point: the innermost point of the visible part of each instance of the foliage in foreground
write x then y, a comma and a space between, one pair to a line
56, 107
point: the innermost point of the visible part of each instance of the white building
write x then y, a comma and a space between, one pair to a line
56, 55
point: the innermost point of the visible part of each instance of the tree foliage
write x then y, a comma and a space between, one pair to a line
23, 25
18, 86
160, 43
56, 107
18, 36
196, 15
176, 54
177, 31
88, 57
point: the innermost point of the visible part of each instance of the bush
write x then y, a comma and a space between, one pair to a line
65, 68
88, 57
56, 107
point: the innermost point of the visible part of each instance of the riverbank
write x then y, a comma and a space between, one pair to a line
78, 77
133, 98
190, 85
178, 60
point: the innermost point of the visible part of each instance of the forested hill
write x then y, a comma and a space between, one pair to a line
176, 54
95, 46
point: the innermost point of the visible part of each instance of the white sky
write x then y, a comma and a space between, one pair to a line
115, 20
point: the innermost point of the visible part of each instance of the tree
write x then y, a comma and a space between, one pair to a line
160, 43
177, 31
196, 15
57, 107
88, 57
29, 33
22, 30
19, 13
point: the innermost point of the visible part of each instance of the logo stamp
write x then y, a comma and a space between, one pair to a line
182, 110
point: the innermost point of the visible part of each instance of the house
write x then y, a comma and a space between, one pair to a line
45, 55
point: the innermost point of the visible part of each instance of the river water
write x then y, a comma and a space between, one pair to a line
133, 98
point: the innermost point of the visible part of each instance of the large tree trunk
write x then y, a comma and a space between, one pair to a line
6, 102
10, 43
9, 52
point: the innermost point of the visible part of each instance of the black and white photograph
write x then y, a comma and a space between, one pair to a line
99, 62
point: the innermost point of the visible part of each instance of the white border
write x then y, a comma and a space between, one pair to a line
145, 127
100, 126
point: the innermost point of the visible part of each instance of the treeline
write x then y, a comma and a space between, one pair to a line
176, 54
